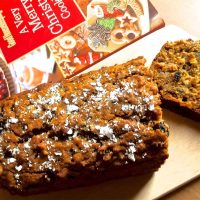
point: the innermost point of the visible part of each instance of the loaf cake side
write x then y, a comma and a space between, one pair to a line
101, 125
177, 73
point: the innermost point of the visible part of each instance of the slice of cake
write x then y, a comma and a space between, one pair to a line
101, 125
177, 73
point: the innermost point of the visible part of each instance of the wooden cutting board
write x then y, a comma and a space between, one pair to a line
183, 164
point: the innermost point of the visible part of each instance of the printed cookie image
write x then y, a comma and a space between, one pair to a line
72, 52
83, 5
6, 82
32, 69
125, 31
4, 92
115, 23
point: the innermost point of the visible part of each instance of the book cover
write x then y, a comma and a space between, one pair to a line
47, 40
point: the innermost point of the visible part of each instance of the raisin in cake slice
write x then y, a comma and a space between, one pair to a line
177, 73
101, 125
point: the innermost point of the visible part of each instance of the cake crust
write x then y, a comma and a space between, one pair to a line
101, 125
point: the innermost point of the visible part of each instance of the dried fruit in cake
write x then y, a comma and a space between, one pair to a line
101, 125
177, 73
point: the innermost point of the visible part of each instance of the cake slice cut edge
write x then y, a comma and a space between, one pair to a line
177, 72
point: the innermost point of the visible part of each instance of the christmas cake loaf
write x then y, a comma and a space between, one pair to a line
177, 73
101, 125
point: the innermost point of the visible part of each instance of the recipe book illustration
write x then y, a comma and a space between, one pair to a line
43, 41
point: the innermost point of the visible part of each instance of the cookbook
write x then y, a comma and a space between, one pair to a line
47, 40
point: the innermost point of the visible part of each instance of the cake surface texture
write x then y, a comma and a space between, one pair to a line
177, 73
101, 125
